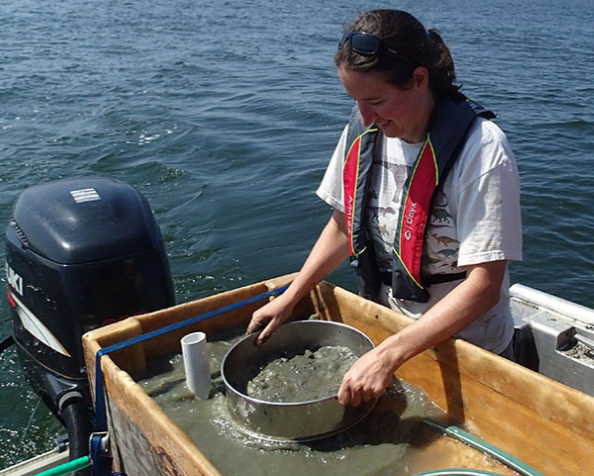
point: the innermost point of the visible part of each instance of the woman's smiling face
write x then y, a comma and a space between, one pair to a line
401, 113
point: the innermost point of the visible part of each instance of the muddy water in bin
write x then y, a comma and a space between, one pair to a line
392, 440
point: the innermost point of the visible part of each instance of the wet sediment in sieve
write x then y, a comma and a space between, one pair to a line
299, 376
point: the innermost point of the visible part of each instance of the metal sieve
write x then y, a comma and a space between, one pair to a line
297, 421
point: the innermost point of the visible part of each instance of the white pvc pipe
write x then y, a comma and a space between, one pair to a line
196, 364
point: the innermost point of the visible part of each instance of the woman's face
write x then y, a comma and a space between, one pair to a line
402, 113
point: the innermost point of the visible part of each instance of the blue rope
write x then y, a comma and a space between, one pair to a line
100, 410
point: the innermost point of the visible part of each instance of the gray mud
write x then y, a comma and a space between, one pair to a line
311, 375
581, 352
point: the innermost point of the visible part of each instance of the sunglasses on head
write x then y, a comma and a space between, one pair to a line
364, 44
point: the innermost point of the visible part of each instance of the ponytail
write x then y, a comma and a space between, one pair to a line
442, 72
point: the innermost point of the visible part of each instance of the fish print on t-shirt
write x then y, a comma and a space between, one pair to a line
440, 253
383, 208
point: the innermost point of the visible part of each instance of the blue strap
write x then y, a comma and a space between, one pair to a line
100, 463
100, 409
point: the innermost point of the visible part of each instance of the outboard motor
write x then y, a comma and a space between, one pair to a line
80, 253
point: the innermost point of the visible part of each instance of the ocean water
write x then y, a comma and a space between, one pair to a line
225, 114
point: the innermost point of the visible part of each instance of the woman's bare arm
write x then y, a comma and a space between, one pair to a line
372, 373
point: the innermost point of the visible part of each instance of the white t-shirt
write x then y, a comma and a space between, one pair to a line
475, 220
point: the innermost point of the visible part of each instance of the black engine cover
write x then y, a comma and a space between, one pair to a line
81, 253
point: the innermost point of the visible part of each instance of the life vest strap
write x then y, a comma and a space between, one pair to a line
418, 192
354, 190
386, 278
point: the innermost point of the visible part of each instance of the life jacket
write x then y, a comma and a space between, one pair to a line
451, 122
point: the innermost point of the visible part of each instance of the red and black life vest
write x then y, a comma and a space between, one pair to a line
450, 125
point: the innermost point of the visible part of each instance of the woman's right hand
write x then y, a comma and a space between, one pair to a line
270, 317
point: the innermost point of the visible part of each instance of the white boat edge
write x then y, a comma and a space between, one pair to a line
554, 304
38, 464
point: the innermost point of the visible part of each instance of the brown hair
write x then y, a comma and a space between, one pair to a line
416, 46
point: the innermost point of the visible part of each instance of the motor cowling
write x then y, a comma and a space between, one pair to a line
80, 253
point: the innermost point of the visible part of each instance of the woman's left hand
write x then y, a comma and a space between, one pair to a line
367, 379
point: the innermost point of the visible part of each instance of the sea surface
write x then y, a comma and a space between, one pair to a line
224, 115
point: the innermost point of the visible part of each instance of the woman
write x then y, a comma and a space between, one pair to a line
426, 196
